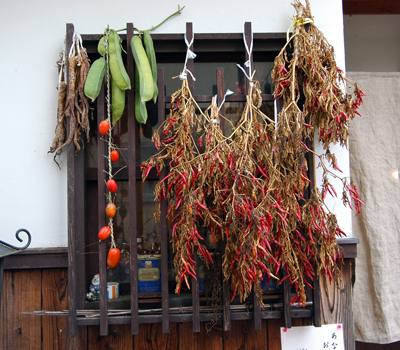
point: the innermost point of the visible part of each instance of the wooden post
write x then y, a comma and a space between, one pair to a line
163, 219
101, 216
133, 129
72, 266
194, 282
226, 322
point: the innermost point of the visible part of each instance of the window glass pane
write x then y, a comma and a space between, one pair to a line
263, 75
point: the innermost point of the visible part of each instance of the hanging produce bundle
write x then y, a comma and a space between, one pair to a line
248, 188
309, 234
72, 102
111, 67
175, 142
245, 202
145, 72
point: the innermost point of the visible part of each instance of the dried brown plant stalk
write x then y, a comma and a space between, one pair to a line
72, 102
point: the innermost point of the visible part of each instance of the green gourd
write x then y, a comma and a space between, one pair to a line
94, 79
117, 102
143, 66
100, 46
151, 56
140, 107
117, 68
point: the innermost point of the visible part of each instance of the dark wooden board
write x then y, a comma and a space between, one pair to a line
257, 338
189, 340
274, 334
119, 338
22, 292
337, 304
151, 337
54, 296
235, 339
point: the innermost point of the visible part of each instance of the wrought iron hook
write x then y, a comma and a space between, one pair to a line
19, 239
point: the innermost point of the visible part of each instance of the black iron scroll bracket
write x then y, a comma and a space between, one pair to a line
6, 248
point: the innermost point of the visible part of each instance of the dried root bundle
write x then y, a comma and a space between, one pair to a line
72, 102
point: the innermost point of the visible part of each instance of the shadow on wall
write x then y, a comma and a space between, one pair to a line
371, 43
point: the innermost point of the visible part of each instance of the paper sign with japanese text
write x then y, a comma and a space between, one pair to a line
327, 337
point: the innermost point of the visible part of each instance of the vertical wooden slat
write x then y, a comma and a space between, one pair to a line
257, 311
72, 265
163, 219
101, 216
287, 316
316, 299
226, 323
248, 37
190, 63
133, 131
194, 282
220, 95
76, 207
80, 205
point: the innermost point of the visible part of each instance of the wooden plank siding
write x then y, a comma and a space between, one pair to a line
47, 289
371, 7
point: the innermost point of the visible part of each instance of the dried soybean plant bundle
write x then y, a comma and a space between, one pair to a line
294, 235
177, 146
247, 222
312, 71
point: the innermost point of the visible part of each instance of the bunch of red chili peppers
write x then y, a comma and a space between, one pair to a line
247, 189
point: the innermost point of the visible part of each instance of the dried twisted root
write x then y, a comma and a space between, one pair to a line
61, 127
72, 102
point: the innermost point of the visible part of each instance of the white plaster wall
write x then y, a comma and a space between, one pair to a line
372, 43
33, 189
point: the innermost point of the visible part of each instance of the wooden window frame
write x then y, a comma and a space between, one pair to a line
77, 177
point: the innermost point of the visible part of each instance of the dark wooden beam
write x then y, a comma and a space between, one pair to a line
72, 263
371, 7
52, 258
163, 217
133, 128
101, 216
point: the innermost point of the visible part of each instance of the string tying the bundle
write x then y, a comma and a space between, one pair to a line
190, 55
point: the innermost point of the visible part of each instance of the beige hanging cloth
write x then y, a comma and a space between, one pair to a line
374, 158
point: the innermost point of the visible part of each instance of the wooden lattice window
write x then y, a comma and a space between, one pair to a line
216, 70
